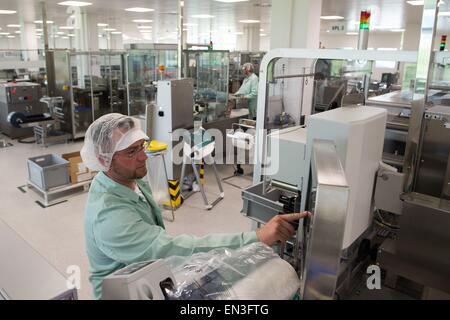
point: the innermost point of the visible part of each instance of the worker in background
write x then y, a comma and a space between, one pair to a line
123, 223
249, 89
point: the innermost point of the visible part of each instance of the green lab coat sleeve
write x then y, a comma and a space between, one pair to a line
123, 236
252, 88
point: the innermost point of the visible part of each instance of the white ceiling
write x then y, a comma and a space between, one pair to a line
388, 13
226, 15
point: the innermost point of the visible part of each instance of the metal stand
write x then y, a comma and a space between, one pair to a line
194, 163
161, 153
59, 194
244, 124
42, 131
237, 173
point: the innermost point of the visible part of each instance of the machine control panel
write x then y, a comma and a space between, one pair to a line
21, 92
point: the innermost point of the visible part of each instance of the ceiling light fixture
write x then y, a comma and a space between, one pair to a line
7, 11
40, 21
249, 21
144, 27
138, 9
109, 29
352, 33
190, 24
331, 17
397, 30
66, 28
75, 3
142, 20
102, 24
13, 25
116, 32
231, 1
202, 16
420, 2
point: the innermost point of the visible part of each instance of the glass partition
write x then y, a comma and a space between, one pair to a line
209, 69
144, 66
333, 79
92, 85
237, 59
82, 95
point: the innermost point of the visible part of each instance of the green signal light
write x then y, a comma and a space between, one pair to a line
363, 26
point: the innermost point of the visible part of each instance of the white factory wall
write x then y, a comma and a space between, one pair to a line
376, 40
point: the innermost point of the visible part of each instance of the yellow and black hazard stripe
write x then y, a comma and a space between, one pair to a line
202, 172
175, 193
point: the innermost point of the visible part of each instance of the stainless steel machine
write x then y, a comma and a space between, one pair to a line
23, 98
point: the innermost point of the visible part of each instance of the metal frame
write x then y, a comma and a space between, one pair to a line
194, 163
67, 191
235, 174
427, 34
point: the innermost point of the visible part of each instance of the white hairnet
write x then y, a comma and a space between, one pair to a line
106, 135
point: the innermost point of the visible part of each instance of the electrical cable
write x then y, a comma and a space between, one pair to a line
386, 223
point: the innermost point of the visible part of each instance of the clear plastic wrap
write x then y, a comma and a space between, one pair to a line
253, 272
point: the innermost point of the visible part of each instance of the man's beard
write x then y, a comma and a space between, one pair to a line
139, 173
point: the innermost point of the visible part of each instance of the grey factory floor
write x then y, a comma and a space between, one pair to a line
57, 232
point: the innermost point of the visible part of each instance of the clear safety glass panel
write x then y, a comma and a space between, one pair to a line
237, 59
290, 85
209, 69
100, 84
439, 85
63, 87
142, 71
235, 71
82, 93
118, 92
168, 64
334, 79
